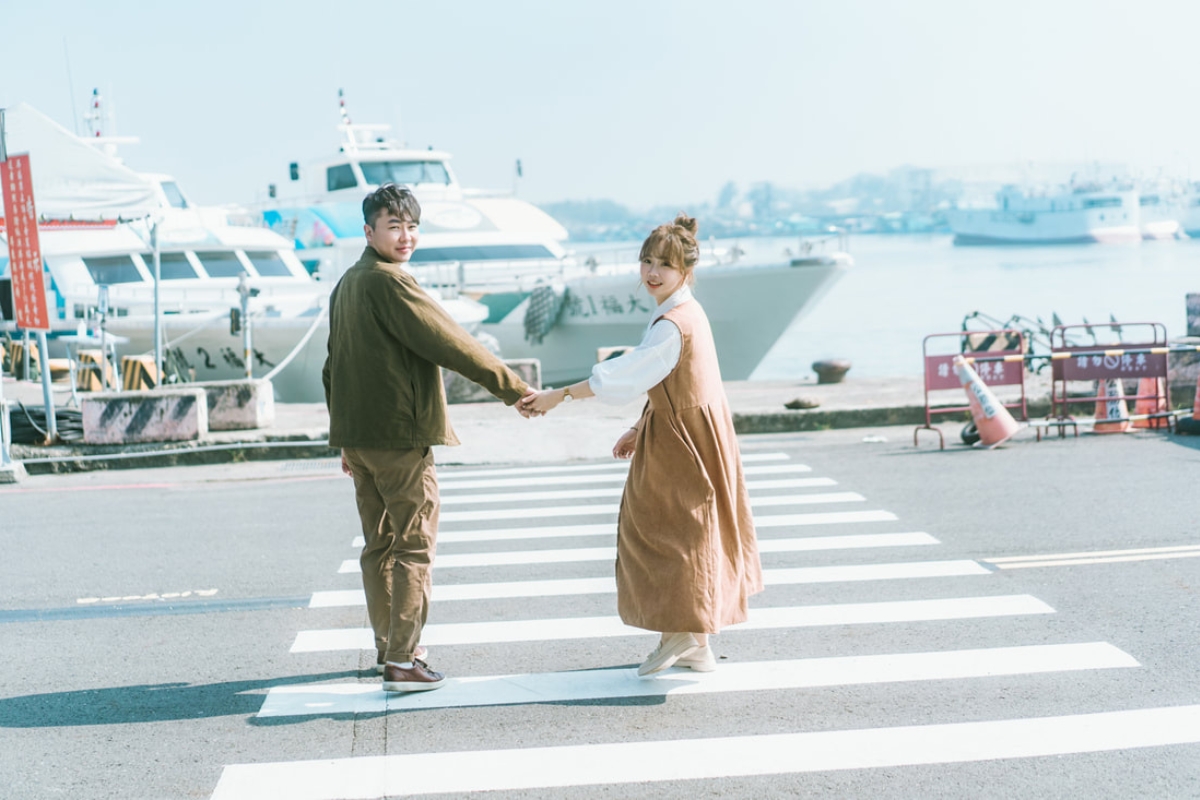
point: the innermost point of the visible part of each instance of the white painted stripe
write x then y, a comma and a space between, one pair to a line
790, 483
454, 473
873, 572
597, 684
572, 554
696, 759
1070, 562
566, 480
573, 586
447, 473
823, 518
545, 532
1184, 548
815, 498
527, 497
613, 491
1140, 551
523, 483
758, 458
567, 531
337, 599
537, 630
598, 508
776, 469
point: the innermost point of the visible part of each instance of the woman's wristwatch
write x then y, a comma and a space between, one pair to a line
567, 396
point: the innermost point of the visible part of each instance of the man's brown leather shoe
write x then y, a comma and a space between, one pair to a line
420, 653
417, 678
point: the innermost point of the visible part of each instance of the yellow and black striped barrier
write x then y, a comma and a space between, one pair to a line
138, 373
89, 364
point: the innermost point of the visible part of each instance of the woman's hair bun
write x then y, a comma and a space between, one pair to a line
687, 223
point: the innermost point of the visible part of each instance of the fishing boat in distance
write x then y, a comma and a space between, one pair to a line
1077, 214
1161, 210
542, 301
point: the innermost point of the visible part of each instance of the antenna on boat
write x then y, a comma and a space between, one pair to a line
94, 117
359, 137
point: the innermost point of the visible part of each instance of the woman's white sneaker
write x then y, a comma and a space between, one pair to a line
699, 660
670, 650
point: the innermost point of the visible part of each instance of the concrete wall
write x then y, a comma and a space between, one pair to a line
163, 415
239, 404
461, 390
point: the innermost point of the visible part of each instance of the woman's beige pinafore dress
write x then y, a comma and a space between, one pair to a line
687, 554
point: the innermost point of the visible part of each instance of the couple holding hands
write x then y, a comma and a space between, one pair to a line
687, 556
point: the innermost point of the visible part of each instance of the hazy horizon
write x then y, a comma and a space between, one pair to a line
644, 104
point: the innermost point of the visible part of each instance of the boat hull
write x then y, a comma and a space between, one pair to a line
749, 307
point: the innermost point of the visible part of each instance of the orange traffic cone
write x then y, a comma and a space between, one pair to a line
1110, 406
992, 420
1191, 424
1152, 399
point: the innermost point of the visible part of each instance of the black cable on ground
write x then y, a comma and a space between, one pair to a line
29, 426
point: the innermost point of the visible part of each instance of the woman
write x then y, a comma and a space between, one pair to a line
687, 556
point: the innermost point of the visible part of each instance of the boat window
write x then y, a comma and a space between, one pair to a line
269, 265
1149, 200
1102, 202
378, 173
113, 269
340, 177
172, 266
491, 252
174, 196
221, 265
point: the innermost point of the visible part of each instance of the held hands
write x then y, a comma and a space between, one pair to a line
522, 405
626, 444
536, 404
346, 465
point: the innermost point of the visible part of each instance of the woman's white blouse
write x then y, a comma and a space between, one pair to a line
625, 378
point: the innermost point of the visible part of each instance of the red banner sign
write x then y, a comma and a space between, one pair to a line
24, 253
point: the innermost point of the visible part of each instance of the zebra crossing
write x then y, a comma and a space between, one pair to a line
501, 544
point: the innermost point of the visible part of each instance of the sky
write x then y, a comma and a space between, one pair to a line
645, 102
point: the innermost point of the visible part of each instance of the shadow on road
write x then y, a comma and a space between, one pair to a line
157, 702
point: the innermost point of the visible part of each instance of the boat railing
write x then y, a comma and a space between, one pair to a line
452, 278
132, 297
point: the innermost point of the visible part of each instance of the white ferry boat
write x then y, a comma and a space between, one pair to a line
1161, 210
505, 253
1190, 216
95, 232
1078, 214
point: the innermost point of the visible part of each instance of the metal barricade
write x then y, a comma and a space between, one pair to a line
1098, 362
940, 375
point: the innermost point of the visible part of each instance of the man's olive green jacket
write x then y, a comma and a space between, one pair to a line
387, 338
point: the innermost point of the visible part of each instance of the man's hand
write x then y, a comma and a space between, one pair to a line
346, 465
522, 405
626, 444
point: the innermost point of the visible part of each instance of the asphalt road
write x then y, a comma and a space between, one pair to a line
156, 638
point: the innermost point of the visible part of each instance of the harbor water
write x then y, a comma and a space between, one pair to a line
902, 288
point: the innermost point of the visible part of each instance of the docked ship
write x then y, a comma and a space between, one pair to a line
1161, 210
496, 263
542, 301
100, 225
1072, 215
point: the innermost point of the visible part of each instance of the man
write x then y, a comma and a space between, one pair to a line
387, 408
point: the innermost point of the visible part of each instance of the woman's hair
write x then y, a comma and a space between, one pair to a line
675, 244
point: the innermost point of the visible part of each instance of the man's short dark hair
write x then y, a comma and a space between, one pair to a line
399, 200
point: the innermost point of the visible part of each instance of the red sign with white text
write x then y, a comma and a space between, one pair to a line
24, 253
